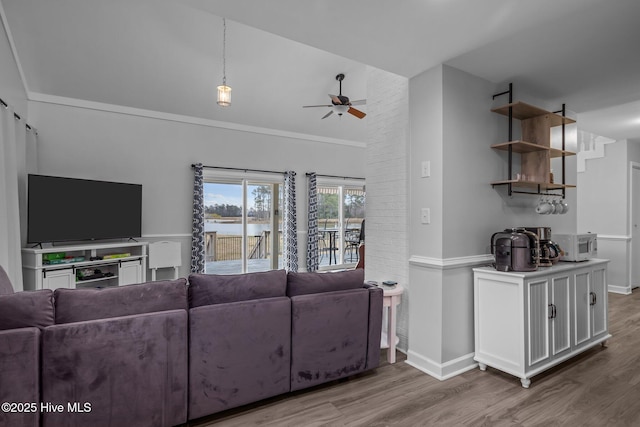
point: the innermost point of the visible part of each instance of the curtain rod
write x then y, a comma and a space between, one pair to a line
239, 169
5, 105
335, 176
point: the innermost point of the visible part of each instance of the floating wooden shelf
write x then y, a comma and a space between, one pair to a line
544, 186
529, 147
534, 149
524, 111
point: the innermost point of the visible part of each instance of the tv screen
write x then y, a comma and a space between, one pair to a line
69, 209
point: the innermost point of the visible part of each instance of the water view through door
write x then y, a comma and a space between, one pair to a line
240, 219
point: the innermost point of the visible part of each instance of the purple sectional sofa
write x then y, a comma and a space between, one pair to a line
121, 350
162, 353
336, 324
22, 317
240, 343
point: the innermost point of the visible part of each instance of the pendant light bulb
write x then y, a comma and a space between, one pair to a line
224, 95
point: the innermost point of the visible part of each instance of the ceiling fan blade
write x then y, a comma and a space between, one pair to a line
310, 106
359, 114
359, 102
328, 114
335, 99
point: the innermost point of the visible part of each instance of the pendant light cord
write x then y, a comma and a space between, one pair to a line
224, 52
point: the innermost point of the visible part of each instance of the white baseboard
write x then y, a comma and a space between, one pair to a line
624, 290
441, 371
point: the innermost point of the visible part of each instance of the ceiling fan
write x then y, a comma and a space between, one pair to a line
340, 104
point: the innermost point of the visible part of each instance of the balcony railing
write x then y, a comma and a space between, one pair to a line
220, 247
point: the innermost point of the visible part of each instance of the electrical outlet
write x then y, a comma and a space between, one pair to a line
425, 216
426, 169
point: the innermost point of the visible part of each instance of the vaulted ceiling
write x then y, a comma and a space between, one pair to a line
166, 55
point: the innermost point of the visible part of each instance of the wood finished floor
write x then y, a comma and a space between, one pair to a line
601, 387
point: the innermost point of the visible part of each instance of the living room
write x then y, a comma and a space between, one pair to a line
132, 132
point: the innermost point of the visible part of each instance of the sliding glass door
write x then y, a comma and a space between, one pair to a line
341, 210
243, 226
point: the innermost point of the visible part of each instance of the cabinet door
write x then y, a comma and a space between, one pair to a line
582, 307
560, 316
538, 322
130, 272
598, 302
54, 279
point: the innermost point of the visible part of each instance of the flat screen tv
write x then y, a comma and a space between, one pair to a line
69, 209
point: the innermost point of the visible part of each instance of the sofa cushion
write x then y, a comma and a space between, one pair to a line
25, 309
312, 283
76, 305
239, 353
20, 374
329, 336
208, 289
133, 370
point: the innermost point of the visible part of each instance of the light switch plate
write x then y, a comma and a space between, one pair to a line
426, 169
425, 216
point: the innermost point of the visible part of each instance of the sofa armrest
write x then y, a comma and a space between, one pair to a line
239, 353
132, 370
20, 374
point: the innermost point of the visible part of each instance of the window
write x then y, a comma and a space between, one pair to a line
341, 210
243, 226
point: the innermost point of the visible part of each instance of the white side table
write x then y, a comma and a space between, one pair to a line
391, 299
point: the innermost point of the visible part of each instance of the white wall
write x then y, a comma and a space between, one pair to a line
602, 192
386, 250
11, 88
603, 209
157, 153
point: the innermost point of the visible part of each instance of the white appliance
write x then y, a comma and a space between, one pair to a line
577, 247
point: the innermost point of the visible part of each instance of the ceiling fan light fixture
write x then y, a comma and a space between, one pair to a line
340, 109
340, 104
224, 91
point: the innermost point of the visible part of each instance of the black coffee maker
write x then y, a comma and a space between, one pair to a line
549, 251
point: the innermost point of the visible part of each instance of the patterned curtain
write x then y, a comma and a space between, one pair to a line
312, 242
197, 233
290, 227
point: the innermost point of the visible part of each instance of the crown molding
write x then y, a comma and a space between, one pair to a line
132, 111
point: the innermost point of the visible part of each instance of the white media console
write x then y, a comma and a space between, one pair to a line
91, 265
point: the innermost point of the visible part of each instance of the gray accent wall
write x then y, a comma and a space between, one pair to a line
452, 126
158, 153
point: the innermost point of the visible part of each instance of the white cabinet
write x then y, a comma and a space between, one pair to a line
90, 265
547, 318
527, 322
54, 279
590, 306
130, 272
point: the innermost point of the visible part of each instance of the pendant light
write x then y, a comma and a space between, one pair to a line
224, 91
